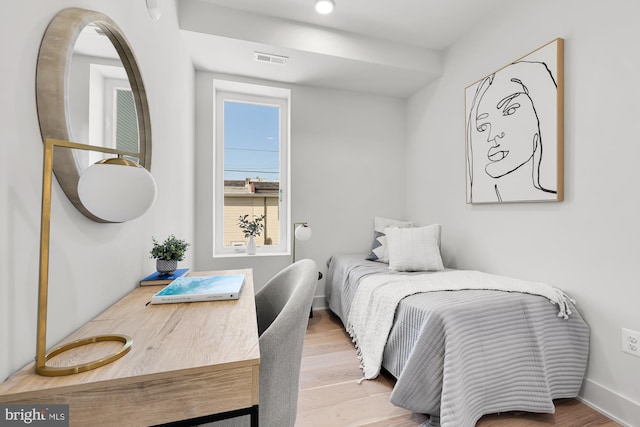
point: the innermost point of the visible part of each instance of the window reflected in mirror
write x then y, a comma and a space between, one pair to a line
101, 105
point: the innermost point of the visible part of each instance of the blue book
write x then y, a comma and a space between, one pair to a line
163, 279
200, 288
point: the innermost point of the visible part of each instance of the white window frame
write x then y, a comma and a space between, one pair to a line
259, 94
104, 81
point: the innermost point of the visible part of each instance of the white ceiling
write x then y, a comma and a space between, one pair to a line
385, 47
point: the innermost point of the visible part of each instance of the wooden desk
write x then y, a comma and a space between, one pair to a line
187, 361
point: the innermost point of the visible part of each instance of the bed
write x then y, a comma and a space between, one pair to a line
458, 355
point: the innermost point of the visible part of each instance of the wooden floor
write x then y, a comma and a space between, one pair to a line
330, 396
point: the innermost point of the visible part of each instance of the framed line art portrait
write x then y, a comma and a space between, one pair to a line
514, 130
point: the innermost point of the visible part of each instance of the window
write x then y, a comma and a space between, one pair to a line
251, 172
113, 121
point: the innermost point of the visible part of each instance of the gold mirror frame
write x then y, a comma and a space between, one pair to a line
52, 74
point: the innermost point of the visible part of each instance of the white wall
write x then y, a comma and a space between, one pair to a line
347, 165
92, 265
587, 244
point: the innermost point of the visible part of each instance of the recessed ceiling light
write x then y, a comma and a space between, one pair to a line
324, 7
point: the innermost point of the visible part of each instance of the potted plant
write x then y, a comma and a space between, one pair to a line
251, 229
168, 253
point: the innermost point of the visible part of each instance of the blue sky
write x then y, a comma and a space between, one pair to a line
252, 136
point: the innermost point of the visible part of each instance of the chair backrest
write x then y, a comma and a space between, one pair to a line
283, 306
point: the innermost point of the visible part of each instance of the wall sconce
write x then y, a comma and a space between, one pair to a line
154, 9
302, 232
116, 190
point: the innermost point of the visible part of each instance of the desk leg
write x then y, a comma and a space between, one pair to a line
252, 412
254, 416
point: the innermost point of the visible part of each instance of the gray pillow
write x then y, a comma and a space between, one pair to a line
379, 248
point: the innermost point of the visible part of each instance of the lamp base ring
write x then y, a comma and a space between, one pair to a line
51, 371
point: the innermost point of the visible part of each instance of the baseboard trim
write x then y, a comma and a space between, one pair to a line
319, 303
619, 408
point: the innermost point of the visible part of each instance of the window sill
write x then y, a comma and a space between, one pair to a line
245, 255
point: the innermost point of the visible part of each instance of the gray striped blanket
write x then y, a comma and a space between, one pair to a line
460, 355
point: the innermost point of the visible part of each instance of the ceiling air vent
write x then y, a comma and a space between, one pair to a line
270, 58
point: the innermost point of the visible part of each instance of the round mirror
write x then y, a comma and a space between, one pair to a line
89, 89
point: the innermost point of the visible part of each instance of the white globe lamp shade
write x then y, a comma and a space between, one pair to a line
324, 7
117, 190
303, 232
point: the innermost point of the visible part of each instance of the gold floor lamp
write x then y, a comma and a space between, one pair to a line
115, 190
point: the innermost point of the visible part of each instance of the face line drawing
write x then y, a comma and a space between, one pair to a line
502, 136
504, 107
495, 154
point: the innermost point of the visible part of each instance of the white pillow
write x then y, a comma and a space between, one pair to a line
379, 245
414, 249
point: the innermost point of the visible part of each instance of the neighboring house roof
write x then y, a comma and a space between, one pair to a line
251, 187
